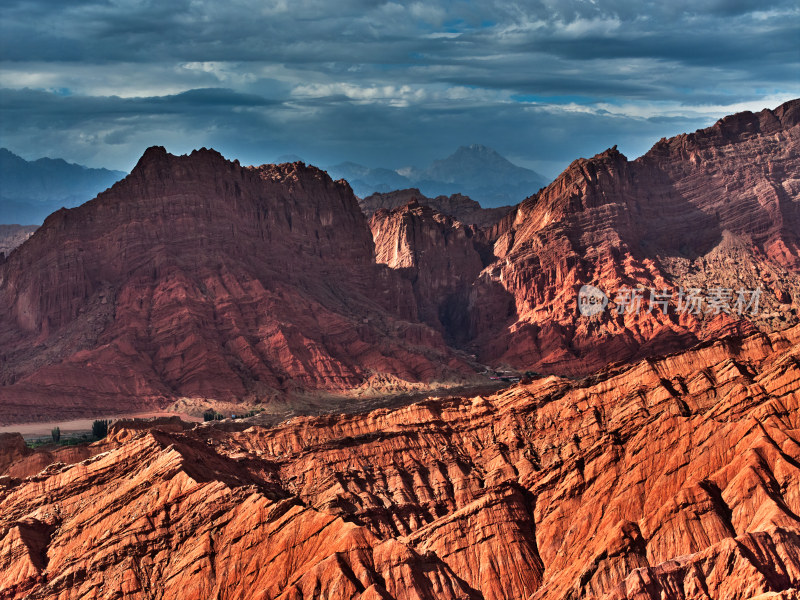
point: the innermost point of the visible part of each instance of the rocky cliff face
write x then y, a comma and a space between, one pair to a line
719, 208
670, 479
196, 277
460, 207
440, 256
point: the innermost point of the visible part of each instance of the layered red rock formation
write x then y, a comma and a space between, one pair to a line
719, 208
460, 207
674, 478
196, 277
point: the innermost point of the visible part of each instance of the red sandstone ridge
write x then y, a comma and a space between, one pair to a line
671, 479
716, 208
196, 277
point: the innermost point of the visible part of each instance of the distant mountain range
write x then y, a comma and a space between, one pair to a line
475, 171
31, 190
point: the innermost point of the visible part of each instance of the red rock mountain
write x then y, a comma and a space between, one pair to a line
663, 478
671, 479
196, 277
718, 208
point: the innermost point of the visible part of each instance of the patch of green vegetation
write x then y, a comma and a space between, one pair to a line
100, 428
212, 415
251, 413
67, 441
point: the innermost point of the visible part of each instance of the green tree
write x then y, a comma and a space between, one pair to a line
100, 428
56, 433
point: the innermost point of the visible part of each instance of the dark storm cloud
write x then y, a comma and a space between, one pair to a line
241, 127
542, 81
26, 108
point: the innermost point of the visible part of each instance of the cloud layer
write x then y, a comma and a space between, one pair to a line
383, 83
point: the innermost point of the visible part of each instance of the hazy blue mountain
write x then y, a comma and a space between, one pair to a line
479, 167
31, 190
365, 180
476, 171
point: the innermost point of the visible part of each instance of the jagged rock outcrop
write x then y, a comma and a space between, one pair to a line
196, 277
460, 207
12, 449
440, 256
718, 208
672, 479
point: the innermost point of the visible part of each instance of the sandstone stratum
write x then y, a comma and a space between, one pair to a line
674, 478
718, 208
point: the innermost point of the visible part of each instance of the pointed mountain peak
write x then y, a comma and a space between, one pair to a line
612, 153
153, 155
480, 148
157, 156
478, 151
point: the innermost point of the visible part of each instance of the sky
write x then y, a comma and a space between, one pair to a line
383, 83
